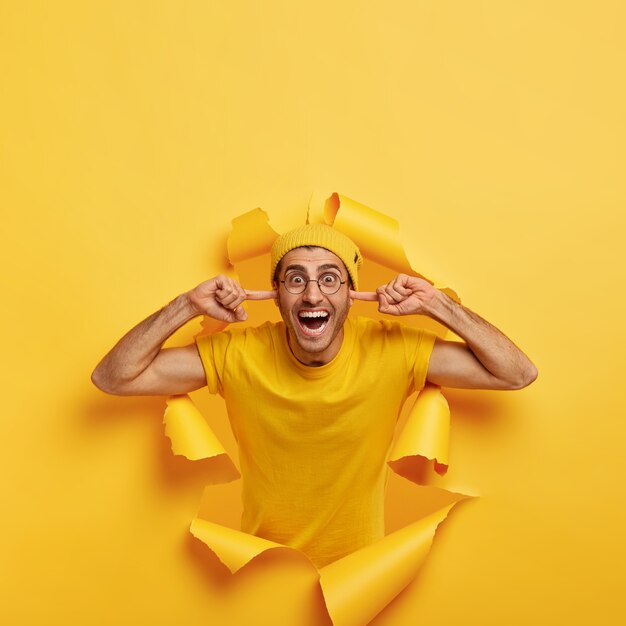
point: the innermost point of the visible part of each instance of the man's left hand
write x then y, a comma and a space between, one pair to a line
404, 295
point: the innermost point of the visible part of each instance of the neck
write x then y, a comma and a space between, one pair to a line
315, 359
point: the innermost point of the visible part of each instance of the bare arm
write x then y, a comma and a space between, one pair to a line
487, 360
138, 365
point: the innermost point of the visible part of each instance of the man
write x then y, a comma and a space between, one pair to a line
313, 400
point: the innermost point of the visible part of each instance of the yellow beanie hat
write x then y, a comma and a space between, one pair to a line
321, 236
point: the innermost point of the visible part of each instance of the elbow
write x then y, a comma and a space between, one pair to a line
526, 377
104, 382
533, 375
100, 381
530, 374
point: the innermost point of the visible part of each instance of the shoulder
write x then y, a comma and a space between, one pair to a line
234, 350
237, 337
368, 326
391, 332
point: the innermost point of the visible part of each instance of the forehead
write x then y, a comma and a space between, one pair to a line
312, 259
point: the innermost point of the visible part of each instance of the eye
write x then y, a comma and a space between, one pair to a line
329, 279
295, 279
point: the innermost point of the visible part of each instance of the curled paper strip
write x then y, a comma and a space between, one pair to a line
361, 584
233, 548
425, 436
355, 588
358, 586
251, 236
192, 437
376, 234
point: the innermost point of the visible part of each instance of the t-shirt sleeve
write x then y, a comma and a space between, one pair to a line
212, 350
422, 358
418, 345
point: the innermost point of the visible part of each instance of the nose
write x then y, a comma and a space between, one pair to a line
312, 294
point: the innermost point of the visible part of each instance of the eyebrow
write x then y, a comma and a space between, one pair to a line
301, 268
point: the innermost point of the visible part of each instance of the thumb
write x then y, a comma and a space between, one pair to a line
383, 303
240, 314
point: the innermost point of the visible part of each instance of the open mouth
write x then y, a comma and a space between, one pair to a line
313, 323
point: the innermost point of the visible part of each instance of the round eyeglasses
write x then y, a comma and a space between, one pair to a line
328, 283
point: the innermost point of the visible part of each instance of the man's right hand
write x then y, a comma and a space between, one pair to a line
220, 298
139, 365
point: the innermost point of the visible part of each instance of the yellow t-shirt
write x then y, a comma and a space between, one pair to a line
313, 441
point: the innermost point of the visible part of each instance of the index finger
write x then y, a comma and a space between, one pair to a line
260, 295
369, 296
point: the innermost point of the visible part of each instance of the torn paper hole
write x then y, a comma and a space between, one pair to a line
358, 586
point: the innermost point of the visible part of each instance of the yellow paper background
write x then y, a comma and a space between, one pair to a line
132, 133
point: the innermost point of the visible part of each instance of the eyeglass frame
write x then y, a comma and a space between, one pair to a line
314, 280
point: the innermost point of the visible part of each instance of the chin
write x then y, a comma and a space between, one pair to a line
312, 346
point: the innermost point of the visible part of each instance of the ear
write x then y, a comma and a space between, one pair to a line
275, 287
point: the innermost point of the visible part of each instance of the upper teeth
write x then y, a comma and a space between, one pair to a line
313, 314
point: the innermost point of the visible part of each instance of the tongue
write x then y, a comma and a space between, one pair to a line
313, 322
